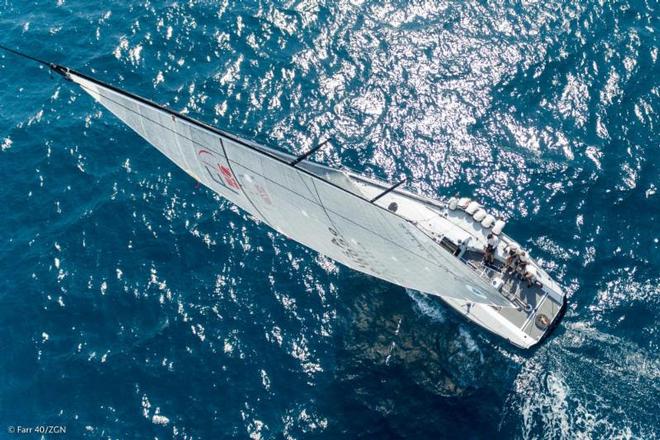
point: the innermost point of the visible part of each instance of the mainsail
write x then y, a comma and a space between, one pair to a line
317, 212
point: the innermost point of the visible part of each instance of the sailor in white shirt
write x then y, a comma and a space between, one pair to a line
530, 274
491, 245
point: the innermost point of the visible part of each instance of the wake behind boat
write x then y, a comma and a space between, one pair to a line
451, 249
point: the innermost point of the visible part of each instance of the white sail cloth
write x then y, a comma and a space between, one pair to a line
297, 203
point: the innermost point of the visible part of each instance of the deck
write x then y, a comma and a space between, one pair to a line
530, 301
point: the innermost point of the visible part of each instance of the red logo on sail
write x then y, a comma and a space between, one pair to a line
228, 176
218, 172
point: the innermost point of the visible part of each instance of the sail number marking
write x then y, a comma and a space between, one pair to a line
355, 256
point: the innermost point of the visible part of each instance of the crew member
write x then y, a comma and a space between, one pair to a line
530, 274
511, 260
521, 264
491, 245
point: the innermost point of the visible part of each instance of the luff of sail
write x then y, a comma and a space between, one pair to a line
301, 205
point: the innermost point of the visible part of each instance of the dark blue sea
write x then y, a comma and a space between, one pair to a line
135, 304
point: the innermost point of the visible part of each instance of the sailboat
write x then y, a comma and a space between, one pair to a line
437, 247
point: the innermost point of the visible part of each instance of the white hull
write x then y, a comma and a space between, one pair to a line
493, 321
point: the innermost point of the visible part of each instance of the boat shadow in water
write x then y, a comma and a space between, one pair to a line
403, 359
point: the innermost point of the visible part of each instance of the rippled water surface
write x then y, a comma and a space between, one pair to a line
135, 304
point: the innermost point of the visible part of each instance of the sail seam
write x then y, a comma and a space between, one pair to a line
222, 145
316, 190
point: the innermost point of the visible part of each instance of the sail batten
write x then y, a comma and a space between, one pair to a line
316, 212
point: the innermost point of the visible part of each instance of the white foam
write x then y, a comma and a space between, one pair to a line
146, 405
228, 347
426, 305
265, 380
198, 331
577, 387
254, 429
158, 419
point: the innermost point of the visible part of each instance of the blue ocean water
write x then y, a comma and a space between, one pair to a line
135, 304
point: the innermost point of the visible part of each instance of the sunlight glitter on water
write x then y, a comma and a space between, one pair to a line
544, 111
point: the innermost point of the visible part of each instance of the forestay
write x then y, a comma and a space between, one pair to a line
299, 204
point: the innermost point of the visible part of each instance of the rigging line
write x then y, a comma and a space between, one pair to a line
64, 71
332, 222
24, 55
307, 187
